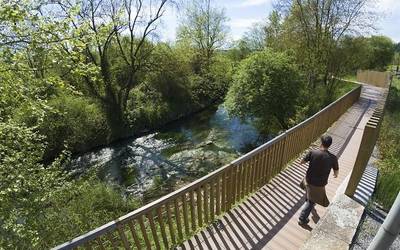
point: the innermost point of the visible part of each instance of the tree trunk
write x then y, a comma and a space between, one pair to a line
112, 107
116, 121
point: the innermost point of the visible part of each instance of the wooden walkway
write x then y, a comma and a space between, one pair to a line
268, 218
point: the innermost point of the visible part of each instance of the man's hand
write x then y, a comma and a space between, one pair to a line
335, 173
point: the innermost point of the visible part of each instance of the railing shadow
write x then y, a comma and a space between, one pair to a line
255, 222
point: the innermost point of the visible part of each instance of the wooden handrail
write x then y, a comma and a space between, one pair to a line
368, 141
200, 202
376, 78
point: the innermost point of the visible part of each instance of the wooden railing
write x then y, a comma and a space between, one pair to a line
169, 220
376, 78
368, 141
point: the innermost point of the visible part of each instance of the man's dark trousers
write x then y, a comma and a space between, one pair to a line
307, 208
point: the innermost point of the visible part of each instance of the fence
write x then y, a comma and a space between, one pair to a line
169, 220
376, 78
368, 141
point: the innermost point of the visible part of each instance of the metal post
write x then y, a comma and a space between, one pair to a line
389, 230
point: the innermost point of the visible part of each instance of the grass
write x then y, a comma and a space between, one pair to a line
350, 77
389, 147
343, 87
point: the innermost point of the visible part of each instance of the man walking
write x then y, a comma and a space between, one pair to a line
321, 161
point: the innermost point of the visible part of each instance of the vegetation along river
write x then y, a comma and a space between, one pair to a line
182, 151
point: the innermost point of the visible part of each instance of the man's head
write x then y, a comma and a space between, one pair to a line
326, 141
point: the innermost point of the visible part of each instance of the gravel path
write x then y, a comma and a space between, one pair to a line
370, 225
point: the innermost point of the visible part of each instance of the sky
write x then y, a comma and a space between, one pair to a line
243, 13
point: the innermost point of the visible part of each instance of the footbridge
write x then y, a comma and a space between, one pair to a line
254, 201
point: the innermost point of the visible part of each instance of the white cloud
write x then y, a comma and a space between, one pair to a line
389, 18
248, 3
388, 5
239, 26
169, 23
243, 22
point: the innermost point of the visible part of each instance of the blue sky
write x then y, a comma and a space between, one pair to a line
243, 13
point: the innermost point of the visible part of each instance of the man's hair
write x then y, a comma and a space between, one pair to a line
326, 141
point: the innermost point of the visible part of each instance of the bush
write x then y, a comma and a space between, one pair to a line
267, 86
25, 185
146, 109
39, 206
171, 90
81, 207
72, 122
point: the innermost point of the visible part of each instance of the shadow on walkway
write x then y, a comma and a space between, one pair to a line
254, 223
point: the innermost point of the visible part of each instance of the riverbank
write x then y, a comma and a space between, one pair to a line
343, 87
159, 162
143, 132
389, 147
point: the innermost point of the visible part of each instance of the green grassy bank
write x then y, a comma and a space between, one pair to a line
389, 147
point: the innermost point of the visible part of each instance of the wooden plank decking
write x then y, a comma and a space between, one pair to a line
268, 218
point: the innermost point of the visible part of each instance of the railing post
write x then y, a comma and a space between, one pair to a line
367, 145
283, 157
314, 128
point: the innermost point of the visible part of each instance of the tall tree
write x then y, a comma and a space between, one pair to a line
273, 30
116, 35
104, 44
267, 87
315, 28
204, 28
382, 50
254, 38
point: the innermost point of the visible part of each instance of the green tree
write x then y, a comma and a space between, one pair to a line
204, 28
313, 30
381, 52
265, 86
101, 46
358, 52
239, 50
255, 37
26, 185
117, 45
273, 30
354, 52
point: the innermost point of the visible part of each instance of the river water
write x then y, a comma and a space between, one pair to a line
179, 153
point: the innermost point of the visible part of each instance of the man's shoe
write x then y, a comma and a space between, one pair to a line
303, 222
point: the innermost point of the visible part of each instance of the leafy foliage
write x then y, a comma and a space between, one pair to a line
27, 185
78, 74
82, 206
381, 52
266, 86
204, 28
76, 123
389, 141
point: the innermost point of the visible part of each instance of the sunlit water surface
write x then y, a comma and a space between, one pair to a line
180, 152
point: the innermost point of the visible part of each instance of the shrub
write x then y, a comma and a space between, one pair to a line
72, 122
80, 207
266, 86
25, 185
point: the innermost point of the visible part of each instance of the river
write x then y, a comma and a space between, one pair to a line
179, 153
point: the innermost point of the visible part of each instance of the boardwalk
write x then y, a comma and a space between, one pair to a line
268, 218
